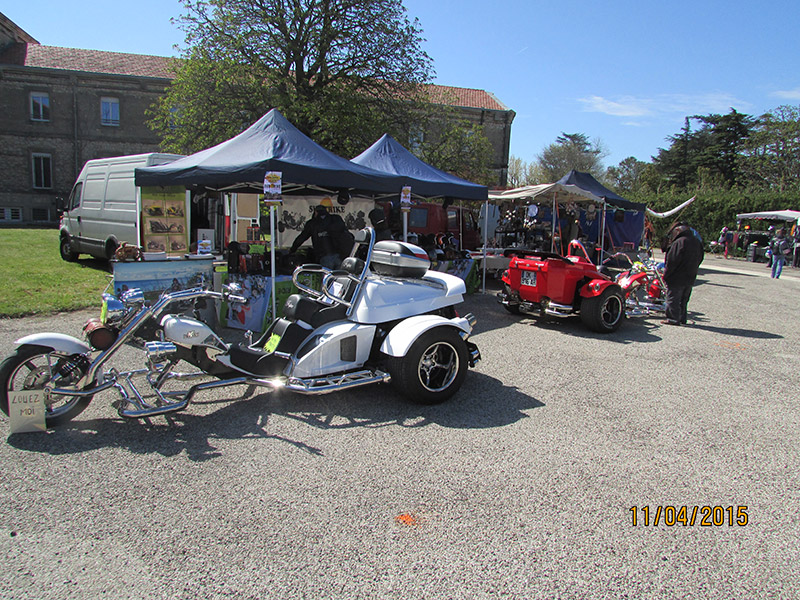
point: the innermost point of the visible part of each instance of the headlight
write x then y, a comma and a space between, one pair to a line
113, 310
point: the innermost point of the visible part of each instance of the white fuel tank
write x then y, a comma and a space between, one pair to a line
189, 332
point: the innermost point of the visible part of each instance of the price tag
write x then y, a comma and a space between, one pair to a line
26, 410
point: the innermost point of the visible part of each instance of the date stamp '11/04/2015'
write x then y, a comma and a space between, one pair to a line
689, 516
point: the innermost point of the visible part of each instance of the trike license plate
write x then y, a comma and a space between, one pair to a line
528, 278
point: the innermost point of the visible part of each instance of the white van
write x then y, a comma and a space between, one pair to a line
104, 207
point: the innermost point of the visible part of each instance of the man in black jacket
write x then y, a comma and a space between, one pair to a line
684, 255
329, 237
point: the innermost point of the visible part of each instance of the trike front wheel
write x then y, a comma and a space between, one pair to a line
32, 367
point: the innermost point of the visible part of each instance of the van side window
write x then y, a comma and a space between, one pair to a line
452, 220
75, 196
469, 222
418, 217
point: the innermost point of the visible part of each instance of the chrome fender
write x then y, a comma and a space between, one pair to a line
405, 333
56, 341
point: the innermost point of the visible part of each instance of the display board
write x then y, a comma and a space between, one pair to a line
256, 315
165, 220
155, 277
298, 210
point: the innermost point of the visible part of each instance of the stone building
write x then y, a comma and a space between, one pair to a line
60, 107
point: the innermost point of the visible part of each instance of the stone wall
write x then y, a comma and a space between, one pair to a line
72, 135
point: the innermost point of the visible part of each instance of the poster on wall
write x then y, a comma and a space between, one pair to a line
165, 224
405, 198
272, 188
296, 211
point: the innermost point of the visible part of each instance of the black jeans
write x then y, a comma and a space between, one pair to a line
677, 302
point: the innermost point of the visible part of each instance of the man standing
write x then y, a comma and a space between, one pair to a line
684, 255
329, 237
780, 250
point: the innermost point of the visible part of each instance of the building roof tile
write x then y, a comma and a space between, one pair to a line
142, 65
89, 61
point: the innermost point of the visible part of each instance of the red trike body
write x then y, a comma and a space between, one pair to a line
545, 283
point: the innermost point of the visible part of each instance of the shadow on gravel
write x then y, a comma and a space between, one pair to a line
482, 402
702, 271
632, 330
701, 281
745, 333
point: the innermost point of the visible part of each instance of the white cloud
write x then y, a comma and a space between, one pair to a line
787, 94
664, 105
624, 107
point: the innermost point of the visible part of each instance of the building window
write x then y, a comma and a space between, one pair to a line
109, 111
10, 213
40, 106
42, 171
416, 138
40, 214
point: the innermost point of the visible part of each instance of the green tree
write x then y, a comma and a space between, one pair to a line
771, 157
516, 172
728, 134
627, 177
677, 165
708, 156
343, 71
522, 173
460, 148
571, 151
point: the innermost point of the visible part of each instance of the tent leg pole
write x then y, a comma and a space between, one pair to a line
485, 242
602, 236
272, 259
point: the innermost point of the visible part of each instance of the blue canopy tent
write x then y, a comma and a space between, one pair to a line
624, 220
389, 156
271, 144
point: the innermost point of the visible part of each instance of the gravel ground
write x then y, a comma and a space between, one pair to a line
519, 487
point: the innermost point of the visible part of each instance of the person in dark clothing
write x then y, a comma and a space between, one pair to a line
329, 237
378, 220
684, 255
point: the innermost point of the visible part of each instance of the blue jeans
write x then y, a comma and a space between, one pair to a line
777, 265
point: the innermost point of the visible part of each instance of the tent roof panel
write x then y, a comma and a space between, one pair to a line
389, 156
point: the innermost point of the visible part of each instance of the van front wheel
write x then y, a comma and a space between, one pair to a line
111, 249
65, 248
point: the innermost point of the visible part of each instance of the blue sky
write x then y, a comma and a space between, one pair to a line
626, 73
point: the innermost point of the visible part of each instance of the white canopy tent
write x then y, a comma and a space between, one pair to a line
557, 193
772, 215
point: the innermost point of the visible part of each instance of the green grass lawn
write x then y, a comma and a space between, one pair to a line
34, 279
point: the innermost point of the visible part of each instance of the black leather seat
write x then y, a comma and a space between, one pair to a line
302, 315
260, 357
